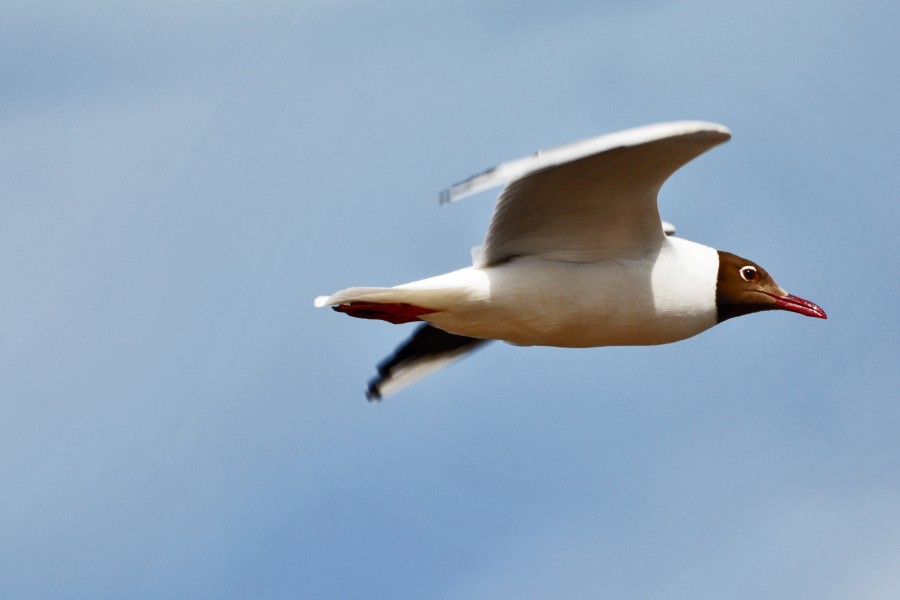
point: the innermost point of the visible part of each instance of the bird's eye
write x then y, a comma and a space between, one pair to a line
748, 273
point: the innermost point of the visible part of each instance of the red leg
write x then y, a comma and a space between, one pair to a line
393, 312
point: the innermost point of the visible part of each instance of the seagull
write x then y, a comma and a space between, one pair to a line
575, 256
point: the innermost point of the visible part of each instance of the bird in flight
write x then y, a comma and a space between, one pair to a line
575, 256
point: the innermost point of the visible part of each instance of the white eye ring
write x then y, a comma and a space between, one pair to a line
748, 273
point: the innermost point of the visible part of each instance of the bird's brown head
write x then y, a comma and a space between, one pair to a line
743, 287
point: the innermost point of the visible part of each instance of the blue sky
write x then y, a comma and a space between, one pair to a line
176, 420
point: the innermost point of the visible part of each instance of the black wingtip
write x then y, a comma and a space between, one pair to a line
373, 394
427, 343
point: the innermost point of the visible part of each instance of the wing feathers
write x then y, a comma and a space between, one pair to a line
599, 206
506, 172
428, 350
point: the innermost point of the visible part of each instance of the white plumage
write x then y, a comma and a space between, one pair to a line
575, 256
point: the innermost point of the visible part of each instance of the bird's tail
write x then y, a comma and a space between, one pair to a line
402, 304
362, 294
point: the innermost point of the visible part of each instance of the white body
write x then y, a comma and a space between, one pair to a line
575, 254
659, 298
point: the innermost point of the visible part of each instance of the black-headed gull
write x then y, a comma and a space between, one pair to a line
575, 256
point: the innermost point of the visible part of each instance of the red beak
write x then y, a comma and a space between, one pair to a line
798, 305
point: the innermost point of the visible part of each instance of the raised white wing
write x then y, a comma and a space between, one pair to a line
588, 201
